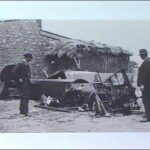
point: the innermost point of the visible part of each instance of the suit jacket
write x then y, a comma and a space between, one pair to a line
144, 74
21, 71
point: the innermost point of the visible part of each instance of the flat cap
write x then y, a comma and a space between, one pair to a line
28, 55
143, 51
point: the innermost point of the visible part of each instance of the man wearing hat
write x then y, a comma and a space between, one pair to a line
143, 82
21, 73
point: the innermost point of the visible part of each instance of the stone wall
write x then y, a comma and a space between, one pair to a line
20, 36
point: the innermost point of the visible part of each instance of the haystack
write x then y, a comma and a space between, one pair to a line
77, 48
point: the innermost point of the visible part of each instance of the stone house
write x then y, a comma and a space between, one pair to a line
20, 36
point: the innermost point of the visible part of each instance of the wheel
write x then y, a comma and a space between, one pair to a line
4, 90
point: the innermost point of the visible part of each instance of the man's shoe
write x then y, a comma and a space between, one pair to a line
144, 120
27, 115
143, 116
21, 113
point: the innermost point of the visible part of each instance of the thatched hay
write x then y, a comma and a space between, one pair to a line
77, 48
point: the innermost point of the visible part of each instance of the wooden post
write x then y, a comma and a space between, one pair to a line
77, 63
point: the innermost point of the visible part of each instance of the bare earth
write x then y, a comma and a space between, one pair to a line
48, 121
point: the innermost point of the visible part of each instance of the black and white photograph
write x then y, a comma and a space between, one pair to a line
75, 67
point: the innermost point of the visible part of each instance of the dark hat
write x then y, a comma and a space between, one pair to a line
28, 55
143, 51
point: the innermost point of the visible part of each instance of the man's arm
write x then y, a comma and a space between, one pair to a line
143, 74
16, 71
140, 77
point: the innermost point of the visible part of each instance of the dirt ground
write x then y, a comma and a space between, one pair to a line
49, 121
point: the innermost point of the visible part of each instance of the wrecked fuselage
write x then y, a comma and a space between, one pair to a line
102, 93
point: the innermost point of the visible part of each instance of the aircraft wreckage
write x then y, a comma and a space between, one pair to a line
100, 93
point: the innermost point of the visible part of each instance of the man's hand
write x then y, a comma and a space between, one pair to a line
20, 80
142, 88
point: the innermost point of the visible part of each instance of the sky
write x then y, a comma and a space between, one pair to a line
120, 23
75, 9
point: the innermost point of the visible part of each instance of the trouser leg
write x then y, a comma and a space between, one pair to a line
146, 102
24, 106
147, 110
24, 98
21, 107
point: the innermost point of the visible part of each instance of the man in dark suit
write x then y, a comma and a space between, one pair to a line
21, 73
143, 82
